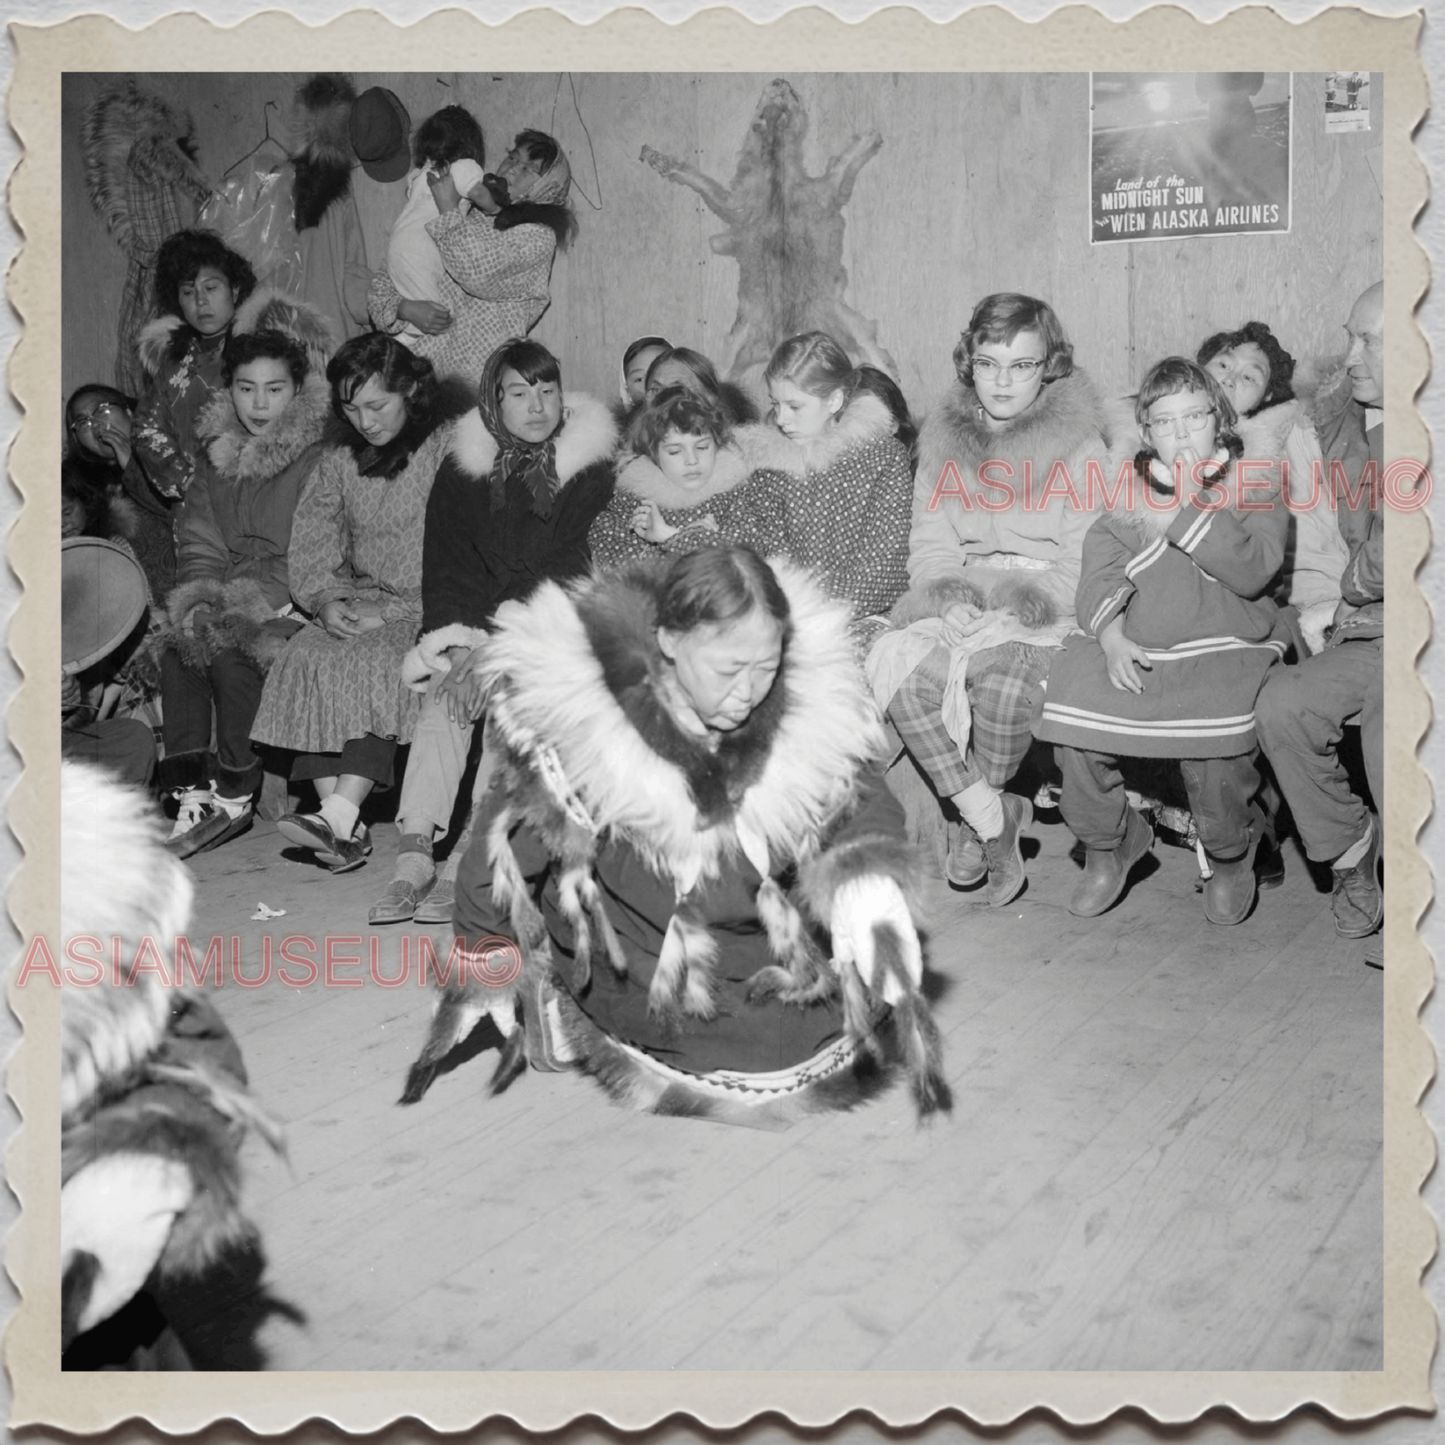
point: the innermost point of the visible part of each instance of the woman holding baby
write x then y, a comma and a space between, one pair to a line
469, 260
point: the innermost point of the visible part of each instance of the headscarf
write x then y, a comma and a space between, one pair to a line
533, 464
549, 188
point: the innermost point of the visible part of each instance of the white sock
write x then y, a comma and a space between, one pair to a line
1356, 851
341, 813
982, 807
232, 807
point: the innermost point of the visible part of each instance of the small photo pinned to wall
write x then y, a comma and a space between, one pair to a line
1179, 154
1347, 100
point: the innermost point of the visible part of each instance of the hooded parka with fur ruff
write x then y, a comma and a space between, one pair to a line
599, 788
737, 504
1192, 583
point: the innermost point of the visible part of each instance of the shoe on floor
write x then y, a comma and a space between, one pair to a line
1359, 901
1231, 890
217, 827
966, 863
1107, 872
440, 902
311, 830
399, 901
193, 807
1269, 863
1004, 854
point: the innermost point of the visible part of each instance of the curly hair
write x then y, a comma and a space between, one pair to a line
185, 254
1003, 316
1281, 363
259, 345
675, 408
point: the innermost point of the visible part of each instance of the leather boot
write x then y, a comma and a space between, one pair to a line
1230, 893
1106, 871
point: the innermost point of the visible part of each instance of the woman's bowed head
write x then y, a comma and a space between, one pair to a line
200, 279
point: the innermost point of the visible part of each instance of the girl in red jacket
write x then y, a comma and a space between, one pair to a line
1178, 637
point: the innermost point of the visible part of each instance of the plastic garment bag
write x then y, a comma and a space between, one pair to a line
254, 212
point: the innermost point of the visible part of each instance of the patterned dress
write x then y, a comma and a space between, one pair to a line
496, 287
358, 539
179, 390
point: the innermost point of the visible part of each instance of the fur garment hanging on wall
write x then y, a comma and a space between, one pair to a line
139, 156
785, 230
323, 157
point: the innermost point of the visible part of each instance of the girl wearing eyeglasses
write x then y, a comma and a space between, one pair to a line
1178, 636
1000, 508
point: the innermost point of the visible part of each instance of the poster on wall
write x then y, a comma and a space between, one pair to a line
1177, 154
1347, 100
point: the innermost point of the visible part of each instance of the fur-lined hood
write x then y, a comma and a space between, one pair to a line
165, 338
588, 435
865, 419
639, 476
239, 456
1067, 416
577, 677
1263, 441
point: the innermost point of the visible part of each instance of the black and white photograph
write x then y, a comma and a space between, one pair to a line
699, 734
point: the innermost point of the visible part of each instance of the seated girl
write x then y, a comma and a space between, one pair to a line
200, 282
1179, 634
682, 366
675, 739
528, 470
1258, 376
230, 611
335, 694
845, 478
632, 381
1000, 507
101, 458
683, 483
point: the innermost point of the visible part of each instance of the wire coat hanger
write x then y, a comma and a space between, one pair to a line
266, 121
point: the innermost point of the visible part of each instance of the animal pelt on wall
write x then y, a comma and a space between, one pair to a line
127, 136
785, 230
323, 157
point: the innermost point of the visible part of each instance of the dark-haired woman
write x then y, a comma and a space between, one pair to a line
200, 283
1179, 633
229, 613
1257, 374
1002, 500
498, 258
676, 738
524, 476
335, 694
102, 463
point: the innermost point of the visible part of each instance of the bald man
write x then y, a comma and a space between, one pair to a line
1301, 712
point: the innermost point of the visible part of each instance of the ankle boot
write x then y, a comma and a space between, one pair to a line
1230, 893
1106, 871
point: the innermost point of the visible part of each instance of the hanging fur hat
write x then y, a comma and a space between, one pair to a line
323, 158
127, 135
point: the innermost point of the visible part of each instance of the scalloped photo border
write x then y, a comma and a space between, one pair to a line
1075, 39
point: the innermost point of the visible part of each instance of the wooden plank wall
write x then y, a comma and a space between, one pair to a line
981, 186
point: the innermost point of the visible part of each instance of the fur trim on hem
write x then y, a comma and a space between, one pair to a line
426, 659
870, 856
244, 620
588, 435
840, 1076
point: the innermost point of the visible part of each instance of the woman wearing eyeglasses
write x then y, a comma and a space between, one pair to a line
101, 457
1001, 503
1179, 633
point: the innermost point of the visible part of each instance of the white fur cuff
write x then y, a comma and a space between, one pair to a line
428, 657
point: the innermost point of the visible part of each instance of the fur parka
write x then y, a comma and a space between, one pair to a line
592, 762
152, 1085
1011, 538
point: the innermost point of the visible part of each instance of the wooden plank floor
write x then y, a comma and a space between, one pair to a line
1165, 1153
